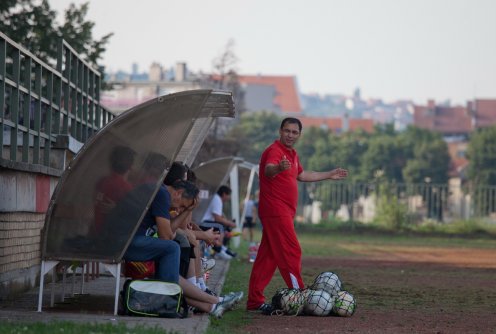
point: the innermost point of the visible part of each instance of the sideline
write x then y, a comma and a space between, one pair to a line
96, 305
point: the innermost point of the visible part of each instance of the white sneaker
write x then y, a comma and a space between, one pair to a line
207, 264
223, 255
233, 297
230, 300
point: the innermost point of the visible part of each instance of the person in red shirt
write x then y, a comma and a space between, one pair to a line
280, 169
113, 187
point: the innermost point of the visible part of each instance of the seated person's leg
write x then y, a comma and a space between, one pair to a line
164, 252
206, 302
191, 291
209, 224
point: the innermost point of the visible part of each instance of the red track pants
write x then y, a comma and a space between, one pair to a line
279, 249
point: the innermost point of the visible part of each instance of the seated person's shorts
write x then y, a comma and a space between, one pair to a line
248, 223
208, 224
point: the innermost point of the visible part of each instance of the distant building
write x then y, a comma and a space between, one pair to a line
129, 91
274, 93
458, 120
284, 90
398, 113
455, 123
277, 94
338, 125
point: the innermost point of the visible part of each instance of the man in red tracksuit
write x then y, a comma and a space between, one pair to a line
279, 170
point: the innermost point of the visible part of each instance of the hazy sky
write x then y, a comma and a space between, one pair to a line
391, 49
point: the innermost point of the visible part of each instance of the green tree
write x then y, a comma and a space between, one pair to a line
32, 24
306, 144
430, 161
481, 153
254, 132
384, 154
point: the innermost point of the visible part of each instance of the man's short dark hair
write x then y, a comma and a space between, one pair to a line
224, 190
121, 159
190, 190
291, 120
155, 162
177, 171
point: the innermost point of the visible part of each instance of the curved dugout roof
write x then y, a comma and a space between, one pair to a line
210, 175
94, 212
214, 173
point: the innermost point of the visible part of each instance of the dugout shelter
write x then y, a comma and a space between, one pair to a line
172, 128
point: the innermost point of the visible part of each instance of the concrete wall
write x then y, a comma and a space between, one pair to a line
25, 192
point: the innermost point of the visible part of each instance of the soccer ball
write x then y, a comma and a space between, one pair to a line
344, 305
289, 301
318, 303
327, 281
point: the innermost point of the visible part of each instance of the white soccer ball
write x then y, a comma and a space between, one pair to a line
290, 301
344, 305
327, 281
318, 303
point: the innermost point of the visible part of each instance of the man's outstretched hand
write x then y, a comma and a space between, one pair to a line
338, 174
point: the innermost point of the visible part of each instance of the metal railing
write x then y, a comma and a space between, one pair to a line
39, 102
363, 201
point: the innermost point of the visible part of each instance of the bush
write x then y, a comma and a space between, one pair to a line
460, 227
391, 213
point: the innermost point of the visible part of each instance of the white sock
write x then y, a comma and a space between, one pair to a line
213, 307
201, 282
192, 280
221, 299
223, 248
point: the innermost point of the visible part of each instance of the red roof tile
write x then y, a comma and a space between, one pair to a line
364, 124
456, 120
287, 97
485, 112
447, 120
336, 124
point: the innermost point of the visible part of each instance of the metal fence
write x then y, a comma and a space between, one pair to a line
362, 202
40, 102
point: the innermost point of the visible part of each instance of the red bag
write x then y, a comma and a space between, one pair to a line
139, 270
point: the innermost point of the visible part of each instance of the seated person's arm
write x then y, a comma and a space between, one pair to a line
181, 221
195, 227
223, 220
209, 236
164, 228
190, 235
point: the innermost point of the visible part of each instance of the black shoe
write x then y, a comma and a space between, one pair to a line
230, 252
266, 309
210, 292
196, 310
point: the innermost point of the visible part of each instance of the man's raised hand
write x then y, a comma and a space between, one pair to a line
284, 164
338, 174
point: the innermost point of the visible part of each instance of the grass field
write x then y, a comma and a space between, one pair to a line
402, 283
405, 282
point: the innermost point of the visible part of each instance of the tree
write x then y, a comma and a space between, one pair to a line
430, 161
481, 153
385, 154
225, 65
77, 31
319, 149
306, 145
255, 132
32, 24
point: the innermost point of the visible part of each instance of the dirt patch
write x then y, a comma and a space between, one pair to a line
403, 290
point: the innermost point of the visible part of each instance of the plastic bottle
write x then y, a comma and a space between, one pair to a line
252, 252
